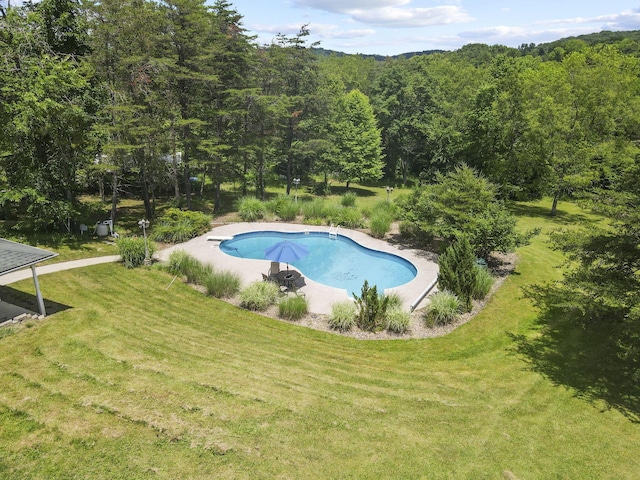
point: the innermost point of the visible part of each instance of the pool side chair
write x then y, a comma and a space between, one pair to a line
274, 270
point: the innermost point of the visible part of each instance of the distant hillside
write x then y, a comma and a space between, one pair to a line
326, 53
627, 41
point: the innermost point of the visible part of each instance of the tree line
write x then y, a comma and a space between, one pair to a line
142, 97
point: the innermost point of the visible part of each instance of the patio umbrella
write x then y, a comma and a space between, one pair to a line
286, 251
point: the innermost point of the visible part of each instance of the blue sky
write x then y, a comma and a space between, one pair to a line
390, 27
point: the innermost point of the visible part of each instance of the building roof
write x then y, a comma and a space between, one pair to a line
14, 256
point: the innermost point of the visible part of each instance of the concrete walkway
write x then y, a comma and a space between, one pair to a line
320, 297
56, 267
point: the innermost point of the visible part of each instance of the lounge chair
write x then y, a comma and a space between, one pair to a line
274, 270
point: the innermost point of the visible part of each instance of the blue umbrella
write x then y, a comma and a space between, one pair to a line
286, 251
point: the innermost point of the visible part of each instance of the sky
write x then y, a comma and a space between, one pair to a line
391, 27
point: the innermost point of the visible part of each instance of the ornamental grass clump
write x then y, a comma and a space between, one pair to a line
348, 199
293, 308
443, 309
314, 211
182, 263
259, 296
345, 216
484, 282
398, 320
380, 223
250, 209
221, 284
343, 316
132, 250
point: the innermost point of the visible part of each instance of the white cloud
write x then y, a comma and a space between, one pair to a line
344, 6
411, 17
626, 19
390, 13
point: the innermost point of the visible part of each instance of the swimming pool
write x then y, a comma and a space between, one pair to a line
337, 262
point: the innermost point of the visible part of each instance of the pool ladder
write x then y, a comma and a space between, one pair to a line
334, 231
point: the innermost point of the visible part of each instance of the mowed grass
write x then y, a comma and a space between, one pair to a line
135, 380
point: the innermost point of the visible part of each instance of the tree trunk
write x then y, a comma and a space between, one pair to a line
289, 154
554, 205
101, 193
114, 197
145, 193
216, 205
174, 161
187, 179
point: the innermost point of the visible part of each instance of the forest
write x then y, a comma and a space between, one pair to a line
154, 99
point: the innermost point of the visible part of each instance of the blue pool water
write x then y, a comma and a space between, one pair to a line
338, 262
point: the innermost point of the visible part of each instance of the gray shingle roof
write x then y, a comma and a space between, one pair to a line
14, 256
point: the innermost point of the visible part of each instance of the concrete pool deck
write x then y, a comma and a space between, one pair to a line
320, 297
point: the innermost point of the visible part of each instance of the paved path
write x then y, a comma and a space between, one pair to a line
56, 267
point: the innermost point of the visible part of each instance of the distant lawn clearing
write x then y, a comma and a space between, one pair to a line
139, 381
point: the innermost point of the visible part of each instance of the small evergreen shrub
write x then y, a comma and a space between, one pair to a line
443, 309
372, 308
177, 226
131, 250
259, 296
221, 284
250, 209
348, 199
458, 271
292, 308
343, 316
398, 320
484, 282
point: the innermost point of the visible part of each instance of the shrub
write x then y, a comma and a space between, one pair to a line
484, 282
283, 206
221, 284
132, 251
347, 217
343, 316
259, 296
380, 224
395, 301
372, 308
408, 229
177, 225
398, 320
443, 308
348, 199
314, 210
250, 209
458, 271
181, 263
293, 308
288, 210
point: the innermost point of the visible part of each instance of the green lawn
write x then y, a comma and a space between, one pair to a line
130, 379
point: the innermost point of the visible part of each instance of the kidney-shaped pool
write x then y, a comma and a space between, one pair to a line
336, 261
